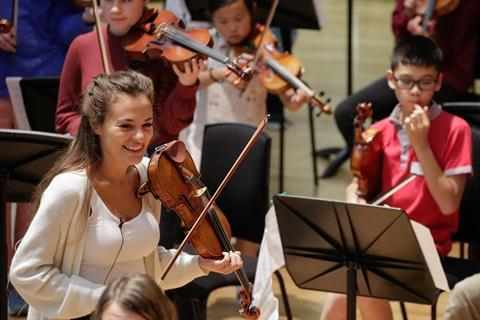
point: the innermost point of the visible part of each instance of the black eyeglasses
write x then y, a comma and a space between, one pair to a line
423, 84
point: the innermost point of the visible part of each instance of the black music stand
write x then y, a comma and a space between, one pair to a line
355, 249
34, 102
25, 156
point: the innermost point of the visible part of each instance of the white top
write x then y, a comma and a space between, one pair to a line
179, 7
223, 102
103, 236
46, 267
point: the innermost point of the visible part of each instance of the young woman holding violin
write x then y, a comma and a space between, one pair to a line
92, 223
222, 97
455, 31
35, 46
175, 87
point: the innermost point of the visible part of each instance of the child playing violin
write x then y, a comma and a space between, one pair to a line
220, 98
418, 138
174, 88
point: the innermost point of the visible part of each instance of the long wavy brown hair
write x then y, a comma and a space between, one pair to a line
85, 151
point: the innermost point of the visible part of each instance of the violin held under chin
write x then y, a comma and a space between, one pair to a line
278, 71
161, 34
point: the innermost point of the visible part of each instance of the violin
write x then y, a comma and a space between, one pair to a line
431, 9
175, 181
161, 34
82, 3
282, 69
440, 7
5, 26
366, 157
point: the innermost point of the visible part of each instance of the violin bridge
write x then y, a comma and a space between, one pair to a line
199, 192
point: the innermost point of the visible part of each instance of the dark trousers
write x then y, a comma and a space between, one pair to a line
383, 101
171, 232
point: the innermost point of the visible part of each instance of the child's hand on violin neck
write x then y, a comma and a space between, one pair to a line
231, 261
188, 72
297, 98
245, 61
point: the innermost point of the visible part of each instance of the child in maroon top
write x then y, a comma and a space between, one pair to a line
417, 138
174, 89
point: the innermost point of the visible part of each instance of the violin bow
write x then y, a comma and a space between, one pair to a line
271, 13
101, 40
15, 14
220, 188
390, 192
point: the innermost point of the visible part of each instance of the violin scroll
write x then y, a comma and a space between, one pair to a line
248, 310
5, 26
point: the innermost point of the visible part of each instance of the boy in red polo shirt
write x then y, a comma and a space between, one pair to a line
419, 138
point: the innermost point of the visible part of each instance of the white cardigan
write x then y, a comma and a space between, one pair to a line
46, 265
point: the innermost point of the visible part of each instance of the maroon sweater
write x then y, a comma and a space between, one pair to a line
457, 34
174, 102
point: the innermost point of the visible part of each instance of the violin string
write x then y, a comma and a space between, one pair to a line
184, 40
286, 75
292, 80
217, 225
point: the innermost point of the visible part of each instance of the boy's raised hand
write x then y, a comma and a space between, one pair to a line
417, 125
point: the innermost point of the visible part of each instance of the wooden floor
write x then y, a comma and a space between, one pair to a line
323, 54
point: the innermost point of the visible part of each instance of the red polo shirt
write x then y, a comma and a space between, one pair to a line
450, 140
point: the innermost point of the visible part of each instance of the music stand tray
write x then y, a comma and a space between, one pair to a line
357, 249
25, 157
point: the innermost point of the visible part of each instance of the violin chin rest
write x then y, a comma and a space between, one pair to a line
143, 190
177, 151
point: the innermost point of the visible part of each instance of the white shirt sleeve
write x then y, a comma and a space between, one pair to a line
35, 271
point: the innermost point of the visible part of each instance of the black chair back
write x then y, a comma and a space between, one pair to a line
469, 218
245, 199
468, 110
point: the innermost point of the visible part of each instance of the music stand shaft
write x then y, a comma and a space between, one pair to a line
351, 291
